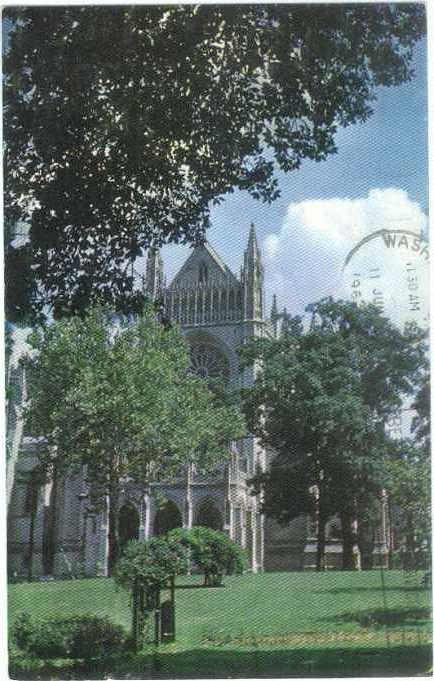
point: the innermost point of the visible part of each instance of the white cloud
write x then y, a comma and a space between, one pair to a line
304, 260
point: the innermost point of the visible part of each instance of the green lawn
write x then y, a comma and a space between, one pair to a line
278, 624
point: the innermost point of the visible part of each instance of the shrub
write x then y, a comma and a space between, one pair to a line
144, 569
212, 551
84, 637
152, 563
94, 637
22, 630
42, 639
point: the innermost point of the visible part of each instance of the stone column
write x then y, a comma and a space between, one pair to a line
211, 303
143, 512
172, 303
260, 550
243, 527
188, 504
203, 303
103, 547
38, 534
254, 543
147, 520
195, 305
227, 301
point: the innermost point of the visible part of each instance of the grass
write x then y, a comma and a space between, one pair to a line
279, 624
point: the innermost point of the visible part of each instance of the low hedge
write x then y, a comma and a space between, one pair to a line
84, 637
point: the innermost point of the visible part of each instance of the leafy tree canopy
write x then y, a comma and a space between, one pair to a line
212, 552
118, 398
124, 124
151, 563
409, 485
321, 400
421, 425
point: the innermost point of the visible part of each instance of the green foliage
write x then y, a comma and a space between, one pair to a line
83, 637
150, 563
106, 157
321, 400
421, 425
409, 485
117, 397
212, 552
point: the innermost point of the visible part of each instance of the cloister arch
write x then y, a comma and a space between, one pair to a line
208, 515
128, 524
167, 518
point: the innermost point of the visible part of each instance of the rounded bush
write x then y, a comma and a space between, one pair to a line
212, 551
152, 563
83, 637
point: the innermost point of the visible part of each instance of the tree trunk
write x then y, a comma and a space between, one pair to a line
366, 543
33, 512
321, 540
348, 541
409, 560
49, 542
113, 535
31, 544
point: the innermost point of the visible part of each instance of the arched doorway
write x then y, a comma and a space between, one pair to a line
128, 524
167, 518
208, 515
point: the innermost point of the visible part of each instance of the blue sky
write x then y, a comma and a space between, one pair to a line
388, 152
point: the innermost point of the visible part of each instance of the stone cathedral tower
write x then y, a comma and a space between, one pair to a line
217, 313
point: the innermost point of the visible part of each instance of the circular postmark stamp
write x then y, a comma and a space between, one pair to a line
390, 268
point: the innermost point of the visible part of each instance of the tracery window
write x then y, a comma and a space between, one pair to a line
203, 274
208, 361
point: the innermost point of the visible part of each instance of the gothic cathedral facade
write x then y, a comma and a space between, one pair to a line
52, 530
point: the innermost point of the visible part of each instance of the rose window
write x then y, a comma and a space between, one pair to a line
208, 362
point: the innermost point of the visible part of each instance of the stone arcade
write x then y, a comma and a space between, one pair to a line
217, 313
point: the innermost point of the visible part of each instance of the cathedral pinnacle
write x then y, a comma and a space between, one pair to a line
154, 283
253, 278
252, 245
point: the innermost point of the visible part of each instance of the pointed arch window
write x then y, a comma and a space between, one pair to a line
203, 273
231, 304
239, 305
223, 311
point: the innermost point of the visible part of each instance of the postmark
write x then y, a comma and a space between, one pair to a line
390, 268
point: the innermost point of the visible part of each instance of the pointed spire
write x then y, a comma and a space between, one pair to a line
274, 315
252, 244
253, 279
154, 274
285, 322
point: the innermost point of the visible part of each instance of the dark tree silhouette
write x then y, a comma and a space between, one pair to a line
123, 125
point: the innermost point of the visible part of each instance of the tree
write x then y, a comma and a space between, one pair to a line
321, 399
212, 552
409, 480
421, 426
145, 568
117, 397
123, 125
409, 483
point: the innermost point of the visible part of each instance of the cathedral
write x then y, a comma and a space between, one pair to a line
52, 530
